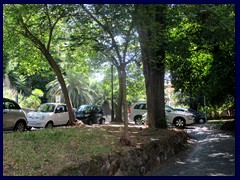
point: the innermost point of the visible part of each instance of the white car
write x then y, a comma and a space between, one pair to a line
137, 110
48, 115
176, 118
14, 118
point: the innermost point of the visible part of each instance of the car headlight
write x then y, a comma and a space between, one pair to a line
42, 117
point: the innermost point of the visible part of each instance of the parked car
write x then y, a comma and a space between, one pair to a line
177, 118
48, 115
90, 114
199, 117
137, 110
14, 118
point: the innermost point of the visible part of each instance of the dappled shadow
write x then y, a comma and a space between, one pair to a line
213, 154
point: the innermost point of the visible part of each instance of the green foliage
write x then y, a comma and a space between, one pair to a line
198, 40
79, 86
201, 52
9, 93
32, 101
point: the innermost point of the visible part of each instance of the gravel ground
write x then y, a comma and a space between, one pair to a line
212, 153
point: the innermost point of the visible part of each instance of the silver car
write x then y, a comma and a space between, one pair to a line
14, 118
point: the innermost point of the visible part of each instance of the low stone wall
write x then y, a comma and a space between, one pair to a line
133, 162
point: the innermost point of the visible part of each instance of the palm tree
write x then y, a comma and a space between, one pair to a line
79, 89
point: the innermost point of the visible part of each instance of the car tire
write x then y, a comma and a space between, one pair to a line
49, 125
28, 128
138, 120
102, 121
179, 122
20, 126
201, 121
90, 122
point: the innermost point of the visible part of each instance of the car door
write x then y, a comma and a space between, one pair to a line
168, 114
138, 110
10, 114
97, 114
61, 115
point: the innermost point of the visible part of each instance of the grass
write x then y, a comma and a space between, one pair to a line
48, 151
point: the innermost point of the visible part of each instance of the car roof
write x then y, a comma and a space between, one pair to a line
54, 103
7, 99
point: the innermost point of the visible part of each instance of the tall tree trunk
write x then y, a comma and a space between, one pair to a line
153, 57
46, 52
124, 93
120, 96
60, 78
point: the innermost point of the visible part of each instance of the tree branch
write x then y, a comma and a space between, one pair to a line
105, 28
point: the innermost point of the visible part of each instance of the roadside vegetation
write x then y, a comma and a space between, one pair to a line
194, 44
48, 151
111, 55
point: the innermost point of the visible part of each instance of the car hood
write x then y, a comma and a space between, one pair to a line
39, 114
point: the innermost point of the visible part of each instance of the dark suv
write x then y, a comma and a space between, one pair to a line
90, 114
14, 118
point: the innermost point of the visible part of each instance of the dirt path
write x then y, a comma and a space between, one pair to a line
212, 154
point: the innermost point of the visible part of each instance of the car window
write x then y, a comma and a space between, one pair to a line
65, 108
168, 108
10, 105
46, 108
141, 106
84, 109
179, 109
60, 109
97, 109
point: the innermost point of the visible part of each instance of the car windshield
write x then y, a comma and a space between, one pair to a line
84, 108
46, 108
192, 111
168, 108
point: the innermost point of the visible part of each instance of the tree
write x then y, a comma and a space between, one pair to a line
79, 89
152, 34
117, 33
201, 55
37, 24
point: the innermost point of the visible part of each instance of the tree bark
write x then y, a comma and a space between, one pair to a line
55, 68
60, 78
120, 97
153, 57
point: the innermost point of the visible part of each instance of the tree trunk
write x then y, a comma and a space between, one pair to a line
124, 93
120, 96
58, 73
153, 57
53, 64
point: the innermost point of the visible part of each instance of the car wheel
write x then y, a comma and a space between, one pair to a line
138, 120
28, 128
179, 123
201, 121
102, 121
67, 123
49, 125
20, 126
90, 122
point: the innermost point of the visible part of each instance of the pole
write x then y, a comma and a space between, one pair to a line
112, 112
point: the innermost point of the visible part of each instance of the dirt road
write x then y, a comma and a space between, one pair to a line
212, 154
